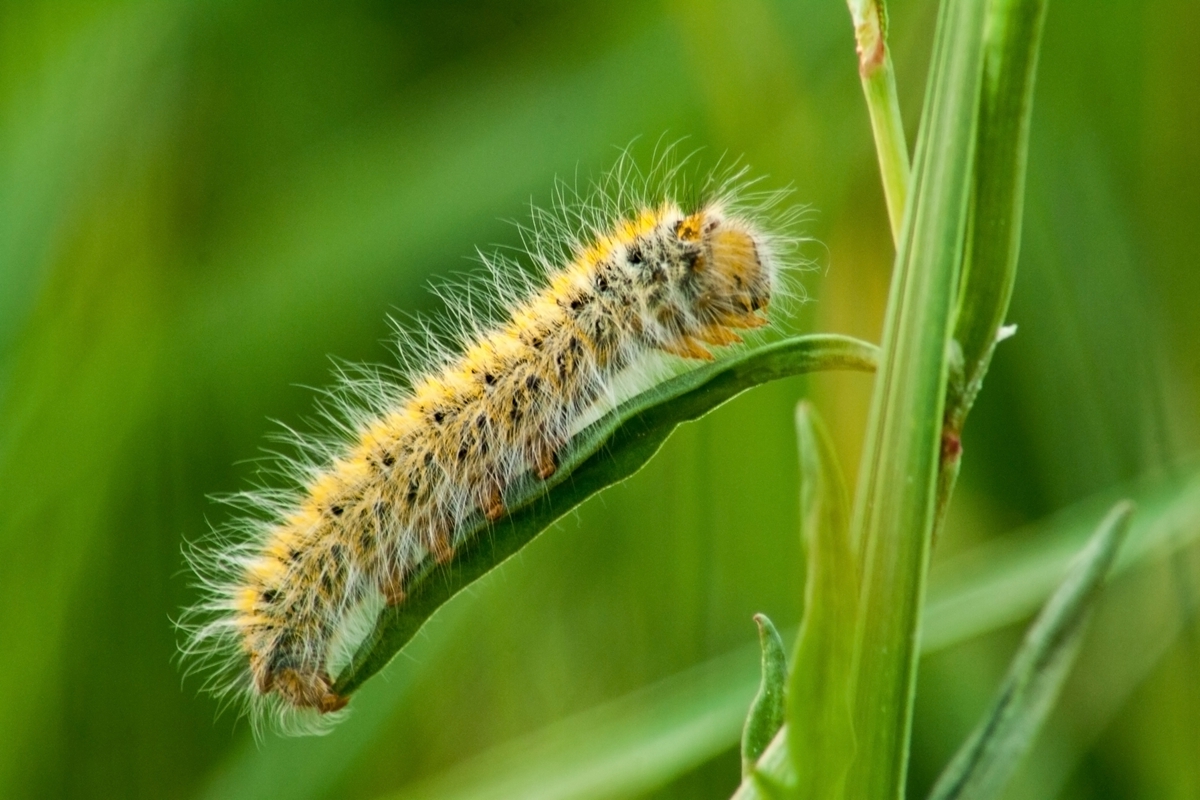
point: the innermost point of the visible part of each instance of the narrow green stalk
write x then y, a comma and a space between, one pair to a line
895, 504
890, 144
879, 87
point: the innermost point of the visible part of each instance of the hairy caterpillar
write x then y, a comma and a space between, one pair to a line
628, 274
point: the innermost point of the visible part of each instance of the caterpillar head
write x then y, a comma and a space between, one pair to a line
731, 279
695, 276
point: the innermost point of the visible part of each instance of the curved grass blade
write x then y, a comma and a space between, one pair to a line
626, 747
607, 452
992, 752
766, 709
820, 704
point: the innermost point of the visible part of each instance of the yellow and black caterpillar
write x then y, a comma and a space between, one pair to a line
397, 491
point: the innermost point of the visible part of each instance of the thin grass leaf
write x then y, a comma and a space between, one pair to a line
1013, 36
897, 487
1004, 580
879, 87
765, 717
991, 754
1013, 39
607, 452
820, 707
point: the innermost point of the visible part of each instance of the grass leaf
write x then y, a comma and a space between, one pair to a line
820, 710
1013, 35
1006, 579
626, 747
607, 452
1014, 31
766, 709
991, 754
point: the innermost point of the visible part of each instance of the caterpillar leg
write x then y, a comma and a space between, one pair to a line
393, 586
547, 464
686, 347
332, 701
440, 546
718, 335
747, 320
493, 506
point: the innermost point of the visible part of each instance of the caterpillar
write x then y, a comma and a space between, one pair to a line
626, 275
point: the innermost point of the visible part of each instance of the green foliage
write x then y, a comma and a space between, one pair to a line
986, 761
985, 577
820, 692
767, 708
1012, 41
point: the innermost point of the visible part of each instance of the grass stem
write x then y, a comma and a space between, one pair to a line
879, 87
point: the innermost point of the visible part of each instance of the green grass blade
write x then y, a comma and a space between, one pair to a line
607, 452
1013, 36
896, 498
992, 752
767, 708
820, 715
1014, 33
879, 87
775, 769
1006, 579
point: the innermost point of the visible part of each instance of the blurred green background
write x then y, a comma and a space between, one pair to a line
201, 202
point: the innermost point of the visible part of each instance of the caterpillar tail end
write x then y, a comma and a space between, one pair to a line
332, 701
302, 690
